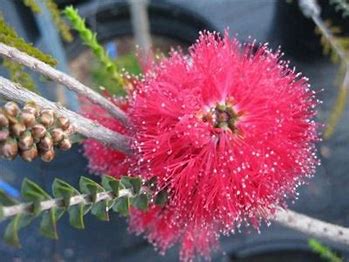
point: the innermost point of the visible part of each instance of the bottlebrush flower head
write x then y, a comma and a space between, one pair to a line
228, 132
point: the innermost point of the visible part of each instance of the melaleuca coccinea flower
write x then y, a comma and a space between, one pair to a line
227, 131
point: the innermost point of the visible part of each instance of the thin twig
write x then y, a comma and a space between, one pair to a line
311, 9
313, 226
62, 78
82, 125
288, 218
85, 199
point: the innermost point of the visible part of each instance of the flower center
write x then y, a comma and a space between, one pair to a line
222, 116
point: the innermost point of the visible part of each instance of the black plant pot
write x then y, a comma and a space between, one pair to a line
112, 20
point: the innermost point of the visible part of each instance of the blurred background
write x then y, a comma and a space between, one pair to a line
158, 25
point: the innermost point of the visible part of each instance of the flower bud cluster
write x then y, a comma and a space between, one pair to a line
31, 132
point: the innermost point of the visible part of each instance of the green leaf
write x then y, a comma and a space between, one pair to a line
6, 200
122, 205
48, 225
100, 210
62, 189
76, 216
133, 183
111, 184
1, 213
34, 193
140, 201
11, 232
161, 198
88, 186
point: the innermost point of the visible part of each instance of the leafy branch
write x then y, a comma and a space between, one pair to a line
98, 199
336, 47
90, 39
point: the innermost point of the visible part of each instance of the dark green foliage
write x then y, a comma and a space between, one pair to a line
32, 5
92, 197
9, 37
62, 27
18, 75
101, 77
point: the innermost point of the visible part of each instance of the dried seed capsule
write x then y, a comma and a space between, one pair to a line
17, 129
27, 118
65, 144
47, 156
4, 134
30, 154
63, 122
9, 149
46, 143
3, 120
47, 117
57, 135
11, 109
38, 132
31, 108
26, 141
12, 119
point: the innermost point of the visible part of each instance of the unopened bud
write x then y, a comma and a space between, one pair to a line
17, 129
63, 122
30, 154
4, 134
47, 156
38, 132
9, 149
3, 120
27, 118
65, 144
26, 141
31, 108
57, 135
46, 118
11, 109
46, 143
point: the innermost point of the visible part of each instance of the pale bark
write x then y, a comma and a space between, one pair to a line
82, 125
46, 70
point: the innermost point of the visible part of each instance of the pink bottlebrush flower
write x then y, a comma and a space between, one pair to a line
228, 132
103, 159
